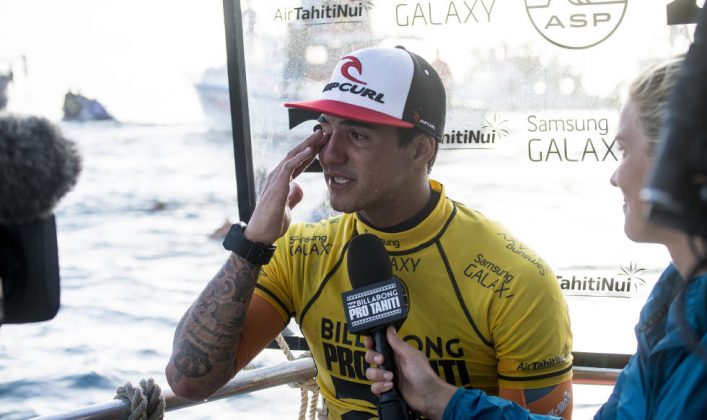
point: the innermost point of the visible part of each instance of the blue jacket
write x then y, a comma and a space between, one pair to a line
665, 379
475, 404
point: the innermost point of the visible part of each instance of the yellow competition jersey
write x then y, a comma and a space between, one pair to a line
484, 309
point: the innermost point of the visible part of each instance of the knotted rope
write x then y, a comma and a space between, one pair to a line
146, 401
307, 386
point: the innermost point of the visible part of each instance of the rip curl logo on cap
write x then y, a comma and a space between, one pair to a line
354, 63
576, 24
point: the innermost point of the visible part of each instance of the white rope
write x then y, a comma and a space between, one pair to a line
146, 401
304, 403
306, 386
285, 348
313, 404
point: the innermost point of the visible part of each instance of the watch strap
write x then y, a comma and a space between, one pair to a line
253, 252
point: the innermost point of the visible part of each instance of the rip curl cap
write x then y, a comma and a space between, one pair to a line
386, 86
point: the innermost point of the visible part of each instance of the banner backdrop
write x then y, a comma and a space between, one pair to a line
534, 91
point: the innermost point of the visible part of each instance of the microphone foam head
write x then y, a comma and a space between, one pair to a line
368, 261
37, 167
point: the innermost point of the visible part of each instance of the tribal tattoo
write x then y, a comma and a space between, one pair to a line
206, 338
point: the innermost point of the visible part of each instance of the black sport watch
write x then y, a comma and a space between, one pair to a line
253, 252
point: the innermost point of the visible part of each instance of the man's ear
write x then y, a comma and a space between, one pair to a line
424, 147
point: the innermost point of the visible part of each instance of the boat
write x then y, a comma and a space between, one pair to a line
214, 97
80, 108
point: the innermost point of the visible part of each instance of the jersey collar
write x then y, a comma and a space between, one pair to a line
414, 236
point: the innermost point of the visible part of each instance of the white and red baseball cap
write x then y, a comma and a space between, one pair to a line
386, 86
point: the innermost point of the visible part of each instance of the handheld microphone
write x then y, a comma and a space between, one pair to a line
377, 300
37, 167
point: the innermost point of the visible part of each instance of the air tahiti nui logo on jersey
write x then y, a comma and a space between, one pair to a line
576, 24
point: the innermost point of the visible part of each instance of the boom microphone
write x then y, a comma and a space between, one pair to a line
677, 186
377, 300
37, 167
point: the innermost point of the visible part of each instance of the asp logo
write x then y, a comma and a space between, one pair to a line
352, 63
576, 24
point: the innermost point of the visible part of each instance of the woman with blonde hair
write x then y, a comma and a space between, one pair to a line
667, 376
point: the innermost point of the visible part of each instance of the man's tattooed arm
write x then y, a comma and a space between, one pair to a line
206, 339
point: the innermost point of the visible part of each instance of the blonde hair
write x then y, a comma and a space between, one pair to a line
650, 93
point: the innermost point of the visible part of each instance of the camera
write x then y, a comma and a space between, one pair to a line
29, 269
677, 186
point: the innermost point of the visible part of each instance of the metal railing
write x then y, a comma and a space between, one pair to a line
271, 376
246, 381
594, 376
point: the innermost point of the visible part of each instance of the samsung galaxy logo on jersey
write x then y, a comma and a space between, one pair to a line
576, 24
391, 243
494, 268
500, 280
355, 89
408, 264
309, 245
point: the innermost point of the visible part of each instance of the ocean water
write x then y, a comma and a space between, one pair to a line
135, 251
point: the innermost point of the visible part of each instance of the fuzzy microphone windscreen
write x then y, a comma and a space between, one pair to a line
37, 167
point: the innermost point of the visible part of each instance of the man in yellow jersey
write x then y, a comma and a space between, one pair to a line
485, 310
